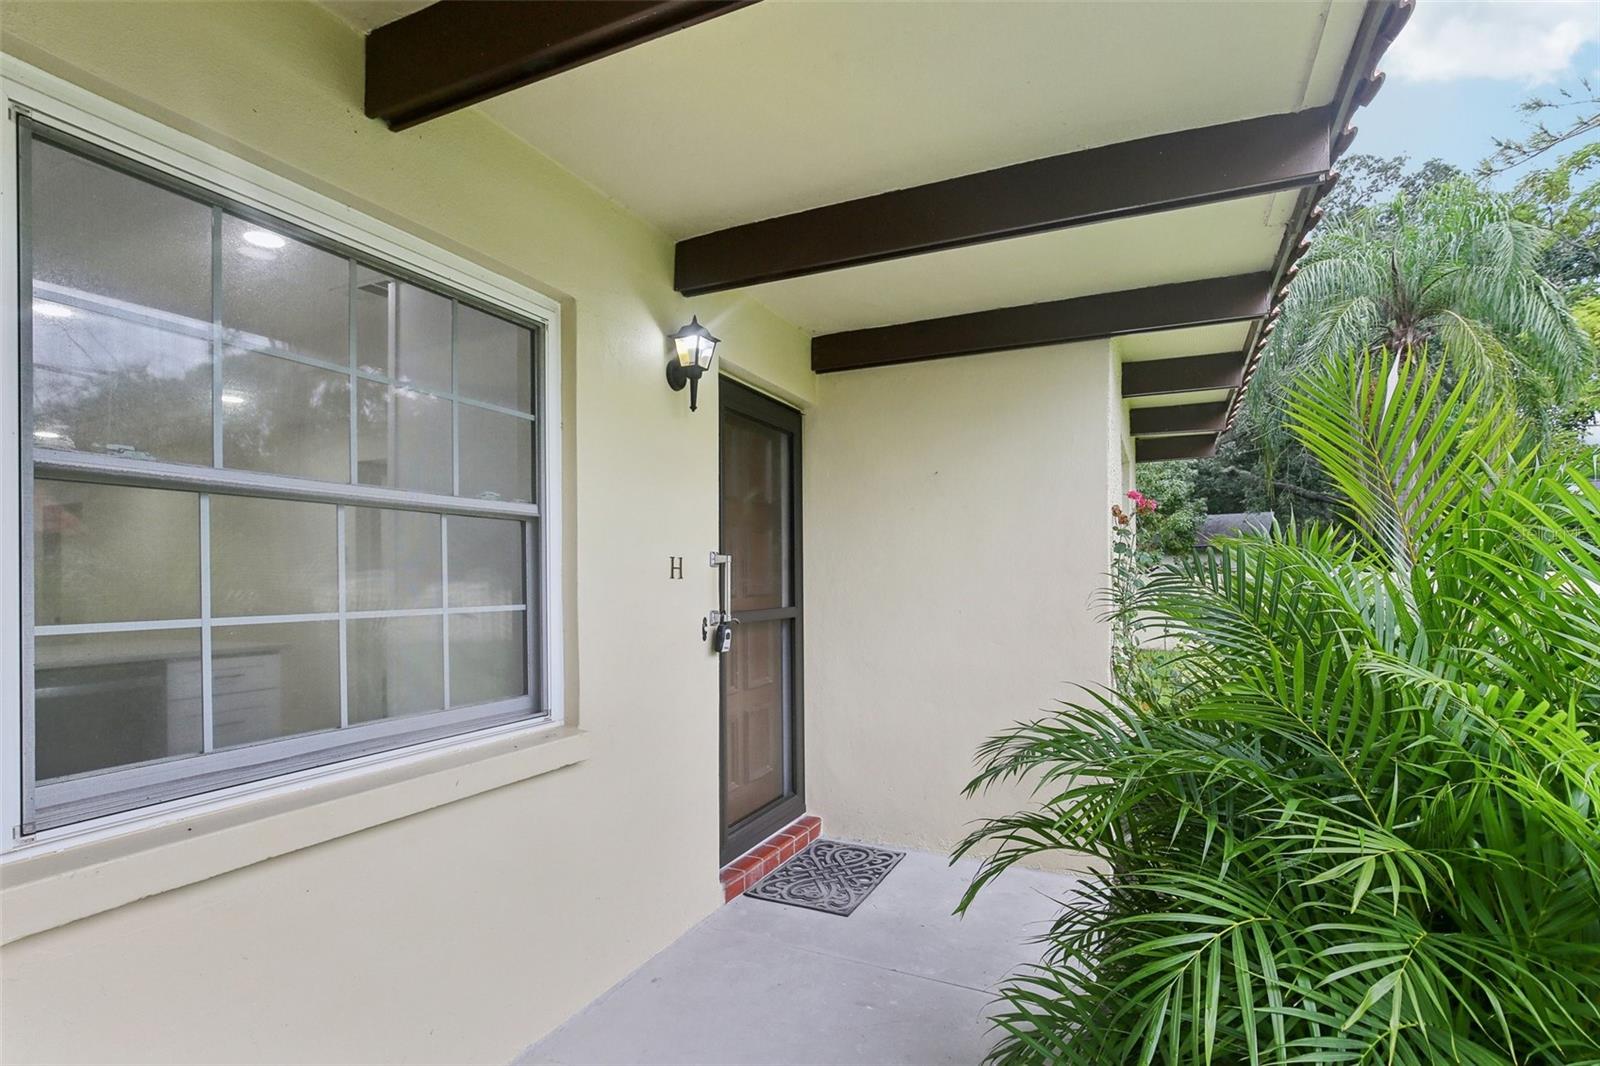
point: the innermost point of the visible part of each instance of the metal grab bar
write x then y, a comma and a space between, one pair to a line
724, 584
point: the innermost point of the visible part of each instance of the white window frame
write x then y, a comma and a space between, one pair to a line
49, 101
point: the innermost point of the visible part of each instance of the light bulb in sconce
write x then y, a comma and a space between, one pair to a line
693, 346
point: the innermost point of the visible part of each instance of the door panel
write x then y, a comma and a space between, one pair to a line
755, 512
756, 707
762, 747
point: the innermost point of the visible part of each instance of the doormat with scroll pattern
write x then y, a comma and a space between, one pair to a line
832, 876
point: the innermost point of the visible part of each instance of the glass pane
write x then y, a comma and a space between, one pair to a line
488, 657
121, 312
496, 455
494, 360
273, 557
114, 699
402, 331
392, 559
402, 438
485, 562
280, 417
756, 700
118, 387
107, 553
755, 512
396, 666
273, 681
283, 295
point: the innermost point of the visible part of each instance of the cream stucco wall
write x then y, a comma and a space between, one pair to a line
956, 539
467, 930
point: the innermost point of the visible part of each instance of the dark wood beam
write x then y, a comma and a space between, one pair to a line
1109, 314
1181, 418
1182, 169
452, 54
1161, 449
1193, 373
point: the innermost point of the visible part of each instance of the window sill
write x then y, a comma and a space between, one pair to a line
47, 885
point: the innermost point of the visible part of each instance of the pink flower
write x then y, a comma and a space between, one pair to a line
1142, 503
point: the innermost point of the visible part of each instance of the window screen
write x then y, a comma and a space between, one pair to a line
283, 499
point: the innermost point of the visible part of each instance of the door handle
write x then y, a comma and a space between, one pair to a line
718, 625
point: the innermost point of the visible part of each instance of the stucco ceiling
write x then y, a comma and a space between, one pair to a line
1233, 237
784, 106
1175, 399
1176, 343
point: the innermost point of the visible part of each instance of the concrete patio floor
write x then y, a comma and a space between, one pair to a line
899, 981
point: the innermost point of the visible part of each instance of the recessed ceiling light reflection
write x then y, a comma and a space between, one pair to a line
264, 239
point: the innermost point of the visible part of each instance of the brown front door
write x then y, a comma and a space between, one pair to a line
762, 785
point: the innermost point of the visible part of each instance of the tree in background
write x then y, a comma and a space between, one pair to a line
1365, 180
1260, 466
1171, 528
1576, 438
1456, 269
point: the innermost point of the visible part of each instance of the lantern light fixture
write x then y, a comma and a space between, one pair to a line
693, 347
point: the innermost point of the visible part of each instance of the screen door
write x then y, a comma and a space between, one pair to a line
762, 783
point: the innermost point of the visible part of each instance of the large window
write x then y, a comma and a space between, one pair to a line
283, 498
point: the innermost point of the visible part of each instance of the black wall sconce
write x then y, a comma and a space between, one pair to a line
693, 347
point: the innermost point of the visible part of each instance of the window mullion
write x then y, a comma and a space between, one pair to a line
147, 473
344, 626
444, 602
350, 312
216, 337
455, 406
207, 694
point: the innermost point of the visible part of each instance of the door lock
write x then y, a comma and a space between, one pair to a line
717, 626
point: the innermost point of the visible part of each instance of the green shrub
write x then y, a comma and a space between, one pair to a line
1362, 821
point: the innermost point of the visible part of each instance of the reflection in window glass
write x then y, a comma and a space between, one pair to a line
494, 360
240, 604
283, 295
275, 680
102, 232
485, 562
282, 417
392, 559
496, 455
115, 699
396, 666
105, 384
121, 312
112, 553
488, 657
402, 331
273, 557
402, 438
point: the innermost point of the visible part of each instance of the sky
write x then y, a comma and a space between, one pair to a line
1460, 68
